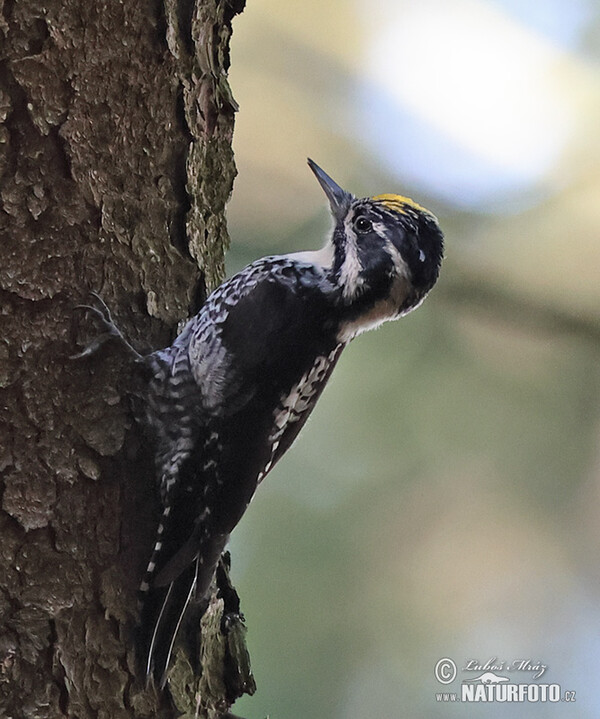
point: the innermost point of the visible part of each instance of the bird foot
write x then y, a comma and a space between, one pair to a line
111, 331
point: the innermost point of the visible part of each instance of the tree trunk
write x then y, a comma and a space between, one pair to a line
115, 168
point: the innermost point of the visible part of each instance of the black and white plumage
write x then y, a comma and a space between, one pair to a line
229, 397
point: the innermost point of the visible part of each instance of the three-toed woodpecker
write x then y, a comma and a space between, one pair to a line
229, 396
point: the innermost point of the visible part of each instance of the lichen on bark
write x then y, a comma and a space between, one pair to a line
115, 166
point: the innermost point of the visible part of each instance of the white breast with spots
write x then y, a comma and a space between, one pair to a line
297, 401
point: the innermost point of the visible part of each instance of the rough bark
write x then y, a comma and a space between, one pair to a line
115, 167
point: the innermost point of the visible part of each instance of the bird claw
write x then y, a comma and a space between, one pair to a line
111, 331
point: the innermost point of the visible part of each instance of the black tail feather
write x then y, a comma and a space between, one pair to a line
162, 614
163, 608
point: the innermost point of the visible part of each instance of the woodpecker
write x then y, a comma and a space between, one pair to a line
227, 399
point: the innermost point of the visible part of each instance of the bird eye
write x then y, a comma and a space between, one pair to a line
362, 224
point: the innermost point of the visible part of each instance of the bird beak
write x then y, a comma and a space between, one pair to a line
338, 199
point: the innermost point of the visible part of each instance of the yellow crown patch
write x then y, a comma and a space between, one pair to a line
397, 203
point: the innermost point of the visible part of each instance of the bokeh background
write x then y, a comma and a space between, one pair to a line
444, 499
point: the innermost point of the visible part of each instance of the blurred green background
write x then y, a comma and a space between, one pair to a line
444, 499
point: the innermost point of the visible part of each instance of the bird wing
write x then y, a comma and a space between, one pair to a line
238, 373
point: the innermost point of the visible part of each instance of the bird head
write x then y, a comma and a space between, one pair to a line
387, 250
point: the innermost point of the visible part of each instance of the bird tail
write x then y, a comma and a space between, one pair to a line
162, 613
168, 587
162, 604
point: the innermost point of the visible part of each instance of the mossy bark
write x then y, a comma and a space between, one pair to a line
115, 167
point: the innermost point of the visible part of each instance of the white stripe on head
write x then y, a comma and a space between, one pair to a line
388, 307
402, 269
322, 258
350, 279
